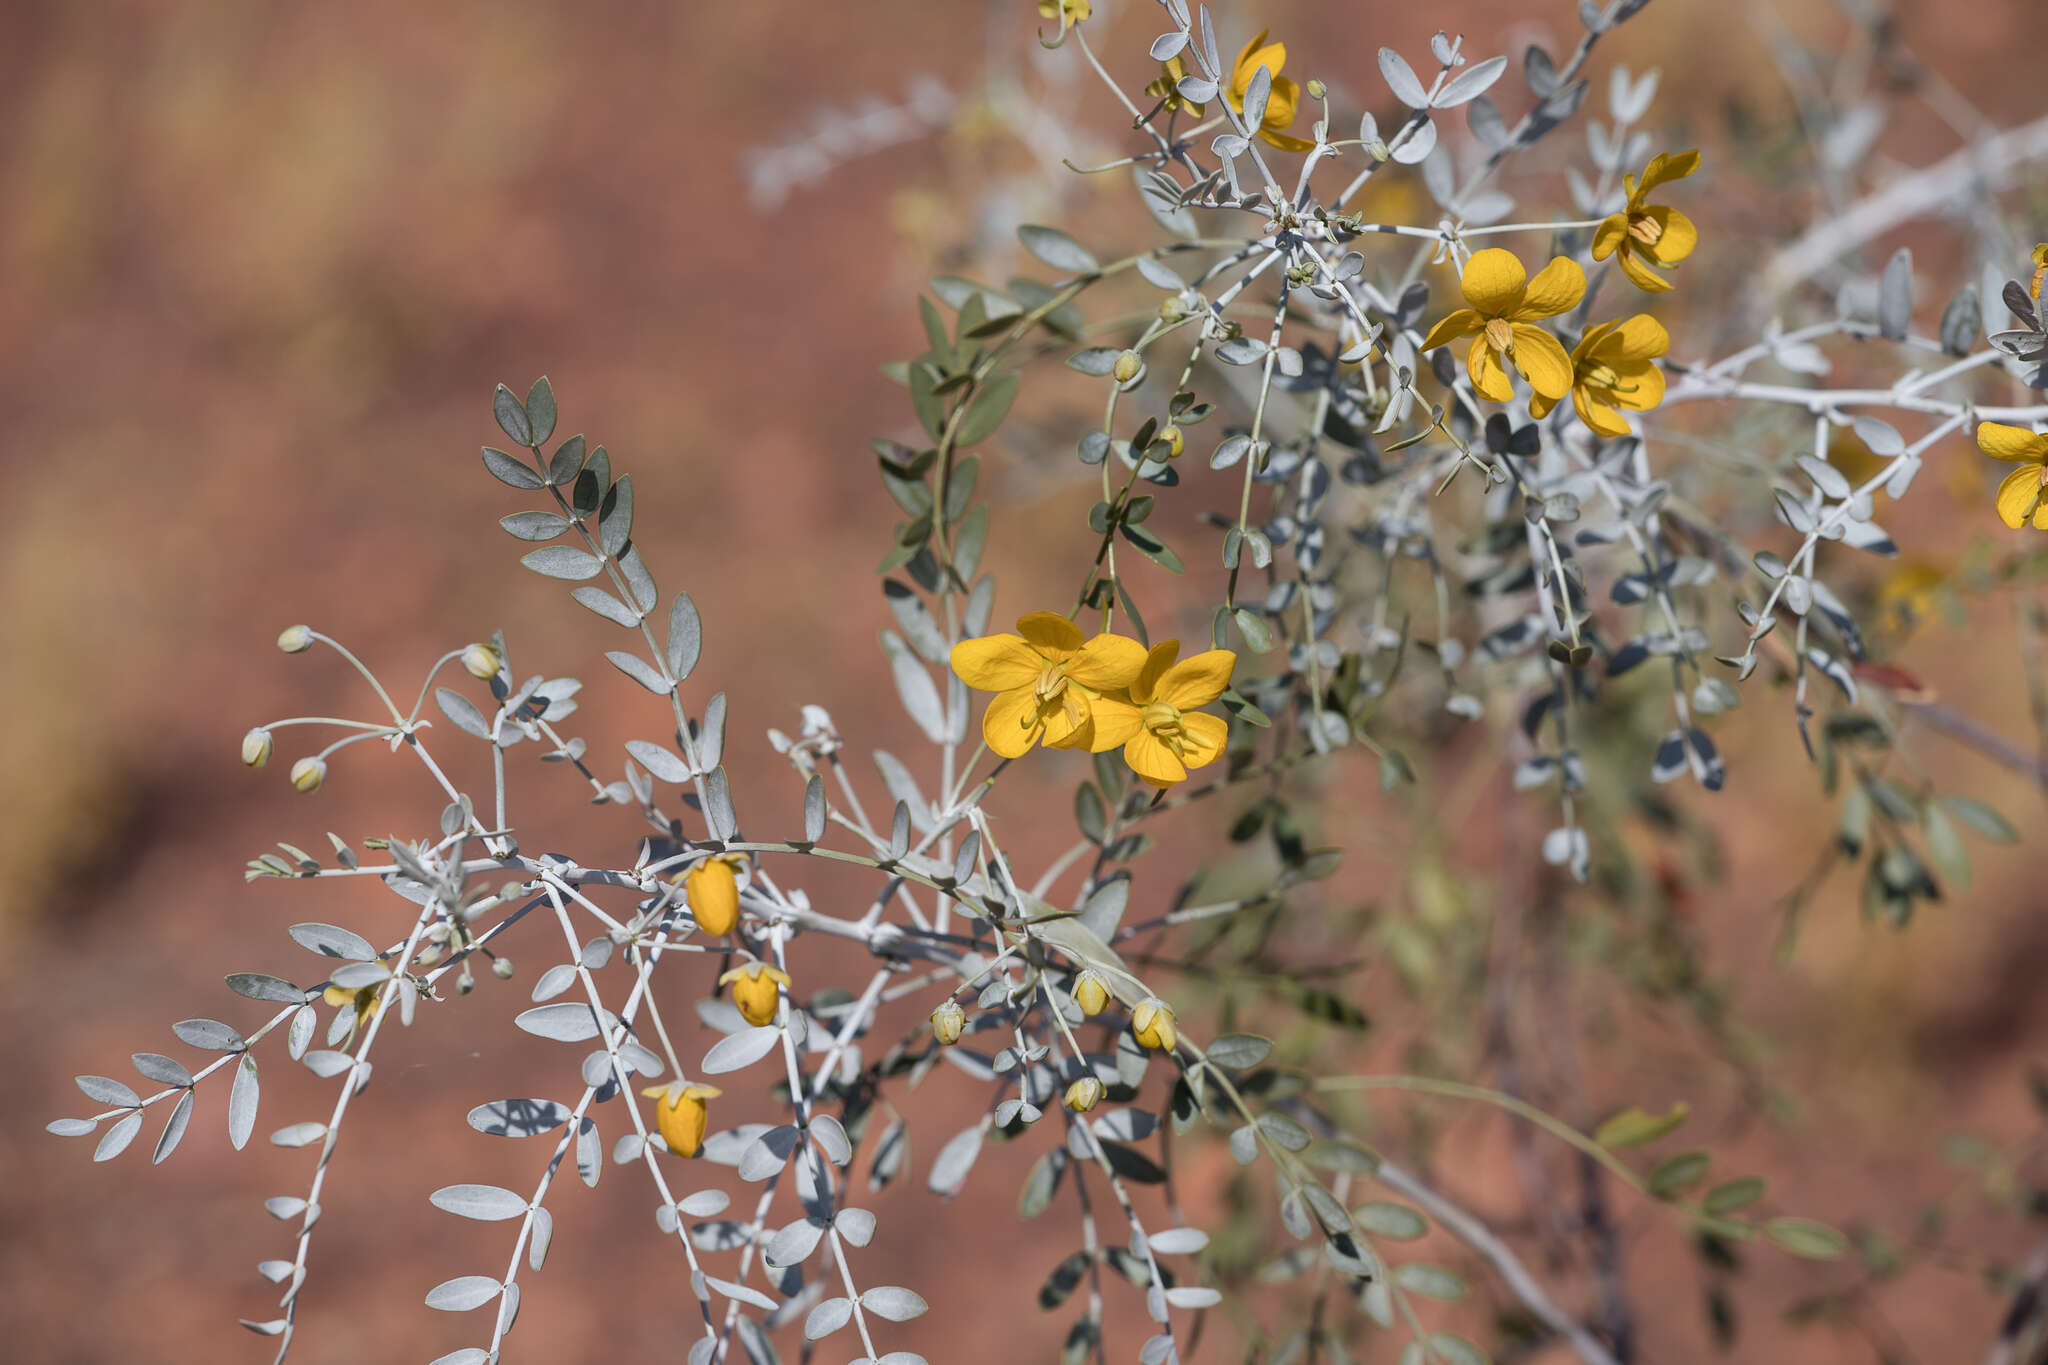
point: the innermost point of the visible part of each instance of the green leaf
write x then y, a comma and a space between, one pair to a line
1945, 847
540, 411
1239, 1051
511, 416
987, 409
1805, 1237
1257, 634
1430, 1281
1735, 1194
1058, 250
1152, 547
1678, 1174
1396, 1222
1981, 819
1632, 1127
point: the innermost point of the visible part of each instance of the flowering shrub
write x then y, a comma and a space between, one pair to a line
1400, 511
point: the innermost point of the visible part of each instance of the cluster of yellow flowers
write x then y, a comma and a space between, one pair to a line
1055, 687
2020, 497
1613, 366
1281, 104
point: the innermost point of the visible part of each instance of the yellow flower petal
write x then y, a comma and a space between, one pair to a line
1609, 235
1489, 380
1640, 275
1069, 730
1493, 282
1157, 661
1107, 662
2020, 495
1678, 238
1640, 338
1153, 761
1286, 142
1665, 168
1462, 323
2002, 442
1599, 416
1205, 735
1115, 722
1539, 406
1557, 286
996, 663
1196, 680
1644, 383
1010, 724
1050, 631
1542, 361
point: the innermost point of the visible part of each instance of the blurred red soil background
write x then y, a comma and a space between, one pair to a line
263, 266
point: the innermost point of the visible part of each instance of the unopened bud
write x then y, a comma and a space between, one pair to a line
465, 982
1152, 1025
948, 1021
1085, 1094
1377, 150
1128, 366
1316, 89
295, 639
1090, 993
1175, 442
482, 662
256, 747
501, 967
309, 773
429, 955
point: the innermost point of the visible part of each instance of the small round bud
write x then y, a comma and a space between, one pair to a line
714, 894
1152, 1025
1128, 366
256, 747
482, 662
1175, 440
1085, 1094
295, 639
682, 1114
1377, 150
465, 982
1316, 89
756, 990
948, 1021
429, 955
1091, 993
501, 967
309, 773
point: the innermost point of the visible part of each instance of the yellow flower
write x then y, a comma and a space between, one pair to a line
1281, 104
1076, 10
755, 989
713, 889
2019, 497
1166, 89
363, 1000
1503, 301
1152, 1026
1168, 737
1090, 993
682, 1114
1085, 1094
948, 1020
1645, 235
1048, 683
256, 747
2040, 258
1913, 593
1611, 368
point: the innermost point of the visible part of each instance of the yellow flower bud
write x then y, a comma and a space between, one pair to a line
1316, 89
295, 639
256, 747
756, 988
482, 662
714, 891
1091, 993
1175, 440
682, 1115
1085, 1094
1152, 1025
309, 773
948, 1021
501, 967
1127, 367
